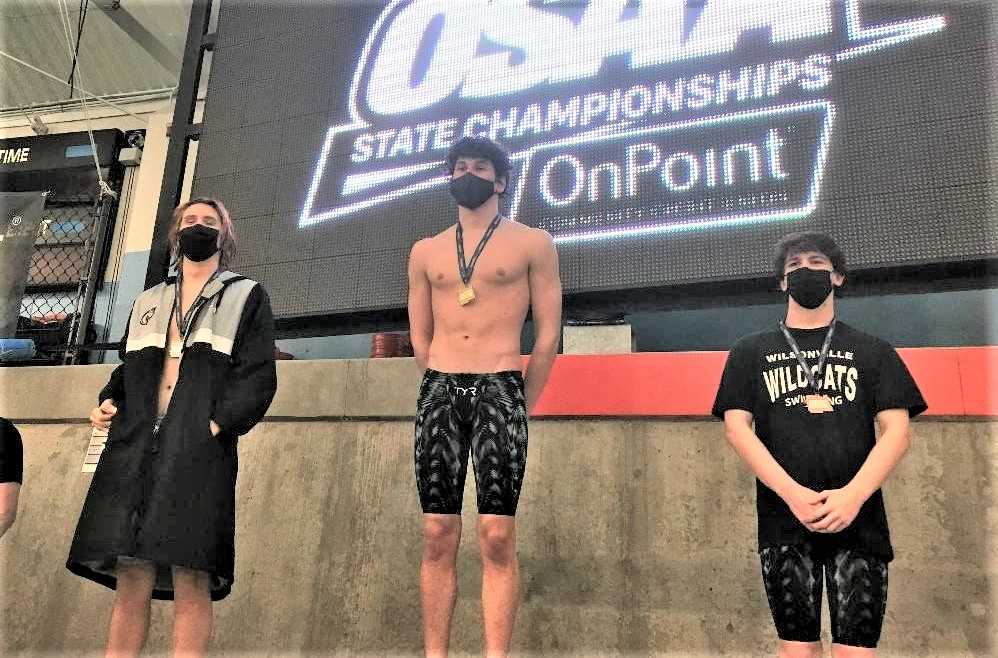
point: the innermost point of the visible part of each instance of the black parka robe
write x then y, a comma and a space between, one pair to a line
169, 497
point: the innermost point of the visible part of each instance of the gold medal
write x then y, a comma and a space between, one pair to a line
466, 296
818, 404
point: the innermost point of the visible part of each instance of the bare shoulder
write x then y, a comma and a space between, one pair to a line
530, 236
422, 246
419, 251
539, 241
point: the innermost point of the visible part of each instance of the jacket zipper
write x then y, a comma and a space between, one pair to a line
200, 304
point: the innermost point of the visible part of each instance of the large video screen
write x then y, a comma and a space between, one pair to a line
660, 142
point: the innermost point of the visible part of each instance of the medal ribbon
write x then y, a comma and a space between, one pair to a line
466, 269
184, 321
825, 347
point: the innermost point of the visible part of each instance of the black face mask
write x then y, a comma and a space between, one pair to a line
198, 242
809, 288
471, 191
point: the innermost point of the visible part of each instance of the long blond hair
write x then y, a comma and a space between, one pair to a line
227, 244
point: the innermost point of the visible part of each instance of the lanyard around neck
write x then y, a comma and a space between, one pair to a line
184, 321
467, 269
825, 347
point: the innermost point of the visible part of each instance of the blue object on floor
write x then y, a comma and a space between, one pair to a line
16, 349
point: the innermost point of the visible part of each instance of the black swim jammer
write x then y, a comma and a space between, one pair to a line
483, 413
857, 592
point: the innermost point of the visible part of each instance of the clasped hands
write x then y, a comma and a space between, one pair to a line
829, 511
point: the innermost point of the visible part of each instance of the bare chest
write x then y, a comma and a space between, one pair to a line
500, 265
177, 318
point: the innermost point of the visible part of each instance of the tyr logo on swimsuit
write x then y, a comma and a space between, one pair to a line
661, 116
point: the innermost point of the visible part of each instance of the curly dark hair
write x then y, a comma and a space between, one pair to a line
480, 147
799, 243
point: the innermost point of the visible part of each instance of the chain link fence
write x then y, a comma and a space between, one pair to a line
58, 291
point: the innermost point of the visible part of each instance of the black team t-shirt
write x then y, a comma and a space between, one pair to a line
863, 376
11, 452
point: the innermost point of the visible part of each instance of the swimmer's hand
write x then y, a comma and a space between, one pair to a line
804, 503
100, 417
839, 509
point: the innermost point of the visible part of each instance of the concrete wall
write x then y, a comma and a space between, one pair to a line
636, 537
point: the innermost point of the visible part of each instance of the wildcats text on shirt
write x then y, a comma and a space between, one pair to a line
838, 378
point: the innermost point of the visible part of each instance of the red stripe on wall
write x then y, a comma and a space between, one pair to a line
954, 381
937, 373
979, 379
